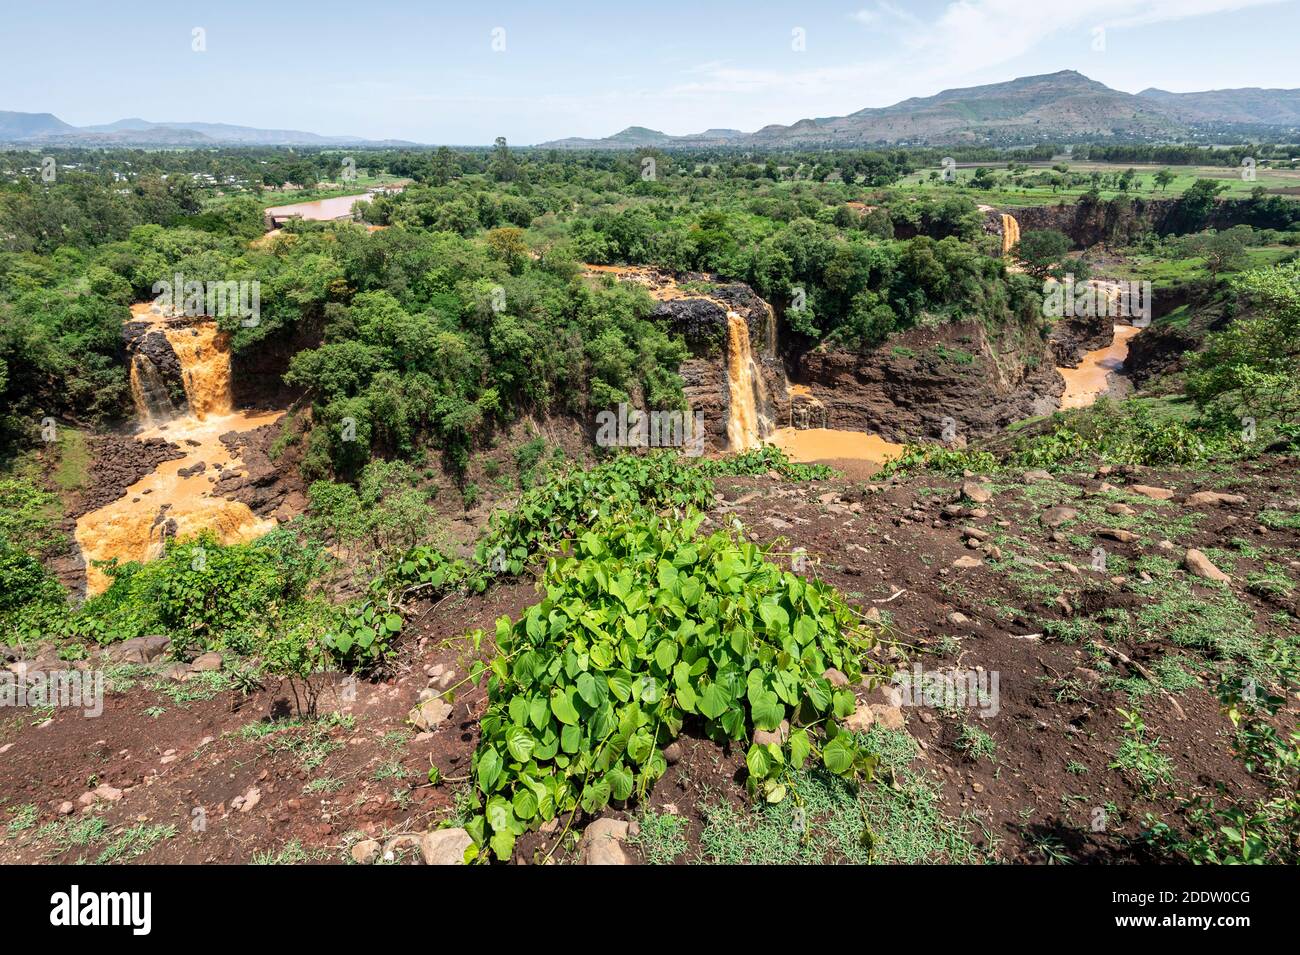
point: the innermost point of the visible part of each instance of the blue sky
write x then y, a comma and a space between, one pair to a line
427, 71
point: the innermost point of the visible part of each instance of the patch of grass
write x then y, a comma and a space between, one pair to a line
323, 784
197, 689
78, 833
389, 770
1272, 581
291, 853
974, 743
1139, 758
134, 842
662, 837
313, 745
895, 819
24, 817
1279, 520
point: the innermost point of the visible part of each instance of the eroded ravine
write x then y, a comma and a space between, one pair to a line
1092, 378
176, 499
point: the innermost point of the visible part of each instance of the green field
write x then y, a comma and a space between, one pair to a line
1144, 185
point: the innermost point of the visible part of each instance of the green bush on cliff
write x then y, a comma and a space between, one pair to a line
644, 628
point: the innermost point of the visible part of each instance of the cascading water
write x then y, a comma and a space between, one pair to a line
749, 419
204, 354
176, 500
1010, 233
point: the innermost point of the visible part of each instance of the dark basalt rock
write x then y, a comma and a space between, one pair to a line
906, 388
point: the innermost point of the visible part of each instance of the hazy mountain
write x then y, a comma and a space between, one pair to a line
1248, 106
1060, 106
45, 128
17, 126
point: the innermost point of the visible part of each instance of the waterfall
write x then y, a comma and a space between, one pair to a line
204, 356
1010, 233
153, 402
178, 498
748, 421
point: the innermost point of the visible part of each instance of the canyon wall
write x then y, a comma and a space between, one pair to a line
907, 388
1123, 221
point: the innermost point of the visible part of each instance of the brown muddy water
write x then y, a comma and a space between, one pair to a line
166, 503
1085, 384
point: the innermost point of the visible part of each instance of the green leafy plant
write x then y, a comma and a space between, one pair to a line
643, 628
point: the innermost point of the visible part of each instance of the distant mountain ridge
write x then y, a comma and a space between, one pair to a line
1063, 105
47, 129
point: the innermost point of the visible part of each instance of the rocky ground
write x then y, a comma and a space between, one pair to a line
1085, 594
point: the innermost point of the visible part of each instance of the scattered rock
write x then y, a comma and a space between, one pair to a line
778, 736
1201, 566
835, 677
1117, 534
1038, 474
976, 492
861, 719
137, 650
366, 851
429, 714
1213, 499
1146, 490
673, 753
177, 672
1056, 516
890, 717
248, 800
207, 662
602, 842
967, 563
958, 619
1118, 508
66, 807
445, 846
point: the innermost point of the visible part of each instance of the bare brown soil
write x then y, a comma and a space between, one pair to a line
889, 547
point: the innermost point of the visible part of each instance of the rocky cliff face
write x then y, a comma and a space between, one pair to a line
1163, 348
148, 343
257, 373
1118, 221
702, 322
922, 380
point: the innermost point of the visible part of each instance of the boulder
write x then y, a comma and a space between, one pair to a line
445, 846
366, 851
207, 662
1213, 499
429, 714
137, 650
1146, 490
602, 842
1199, 565
1056, 516
778, 736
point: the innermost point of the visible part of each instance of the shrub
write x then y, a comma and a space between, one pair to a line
643, 628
